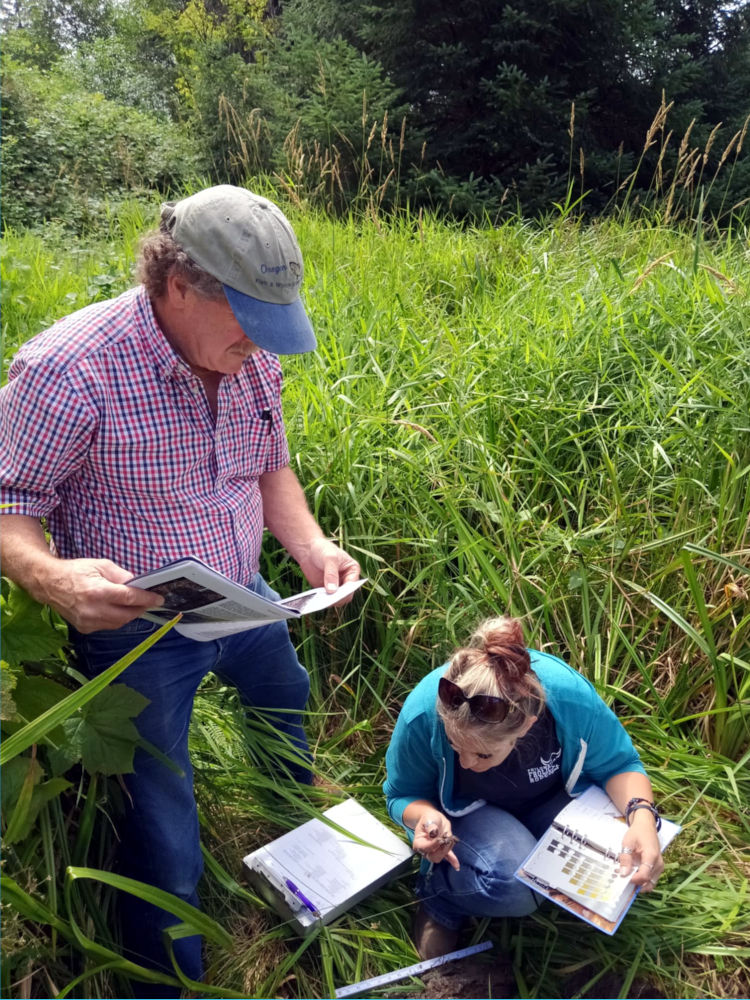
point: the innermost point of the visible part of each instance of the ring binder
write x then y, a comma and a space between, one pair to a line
575, 862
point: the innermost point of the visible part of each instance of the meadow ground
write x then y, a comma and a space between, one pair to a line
550, 421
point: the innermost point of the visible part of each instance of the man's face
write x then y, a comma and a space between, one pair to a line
210, 336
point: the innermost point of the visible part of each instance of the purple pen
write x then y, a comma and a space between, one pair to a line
302, 897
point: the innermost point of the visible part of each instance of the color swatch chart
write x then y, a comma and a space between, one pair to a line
580, 871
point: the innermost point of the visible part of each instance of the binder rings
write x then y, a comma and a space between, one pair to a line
575, 862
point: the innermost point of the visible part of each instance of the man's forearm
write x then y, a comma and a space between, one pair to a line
91, 594
286, 514
25, 554
288, 517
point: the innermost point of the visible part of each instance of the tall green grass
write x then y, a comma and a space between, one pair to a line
549, 421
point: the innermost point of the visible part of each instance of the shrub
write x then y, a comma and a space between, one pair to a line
64, 150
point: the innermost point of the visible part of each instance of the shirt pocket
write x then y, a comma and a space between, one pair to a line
245, 446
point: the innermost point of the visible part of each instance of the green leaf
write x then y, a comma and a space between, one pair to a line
717, 557
40, 796
40, 727
14, 774
34, 909
199, 921
26, 634
8, 682
68, 752
674, 616
19, 821
103, 748
24, 794
104, 730
114, 703
33, 696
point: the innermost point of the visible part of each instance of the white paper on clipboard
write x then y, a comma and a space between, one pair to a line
332, 870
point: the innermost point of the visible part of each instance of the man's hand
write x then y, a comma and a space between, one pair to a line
326, 565
92, 594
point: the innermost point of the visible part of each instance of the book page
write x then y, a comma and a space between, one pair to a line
213, 606
319, 599
239, 620
594, 814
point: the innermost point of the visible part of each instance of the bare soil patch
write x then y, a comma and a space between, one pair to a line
474, 978
469, 977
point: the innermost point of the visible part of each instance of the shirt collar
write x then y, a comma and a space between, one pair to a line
167, 361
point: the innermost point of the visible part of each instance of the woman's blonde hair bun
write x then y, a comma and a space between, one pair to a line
495, 662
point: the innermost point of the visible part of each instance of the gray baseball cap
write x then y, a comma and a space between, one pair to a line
246, 242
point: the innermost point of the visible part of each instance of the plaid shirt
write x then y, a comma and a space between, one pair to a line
107, 433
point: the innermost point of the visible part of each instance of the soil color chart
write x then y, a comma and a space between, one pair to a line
583, 872
575, 862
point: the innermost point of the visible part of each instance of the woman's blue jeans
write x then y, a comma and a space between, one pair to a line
160, 838
492, 844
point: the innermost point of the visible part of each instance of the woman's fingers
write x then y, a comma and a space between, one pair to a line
626, 863
640, 858
434, 839
442, 852
649, 869
643, 868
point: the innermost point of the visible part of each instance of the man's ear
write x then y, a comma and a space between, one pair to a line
177, 289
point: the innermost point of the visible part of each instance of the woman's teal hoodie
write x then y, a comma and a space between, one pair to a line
419, 760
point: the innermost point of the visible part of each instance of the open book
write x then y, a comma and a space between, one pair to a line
574, 863
213, 606
316, 872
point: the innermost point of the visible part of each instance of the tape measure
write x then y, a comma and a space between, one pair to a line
412, 970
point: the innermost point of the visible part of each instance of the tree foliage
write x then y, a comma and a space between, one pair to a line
492, 85
43, 30
507, 102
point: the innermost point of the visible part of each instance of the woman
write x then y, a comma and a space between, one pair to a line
485, 753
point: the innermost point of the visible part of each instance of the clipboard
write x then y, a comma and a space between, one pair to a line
314, 873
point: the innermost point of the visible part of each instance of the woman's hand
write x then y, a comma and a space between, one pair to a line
433, 838
641, 854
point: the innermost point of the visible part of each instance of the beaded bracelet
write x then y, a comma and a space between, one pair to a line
635, 804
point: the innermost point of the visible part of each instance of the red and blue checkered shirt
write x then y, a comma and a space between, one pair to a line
107, 433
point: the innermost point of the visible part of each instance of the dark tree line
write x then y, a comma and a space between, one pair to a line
505, 103
491, 85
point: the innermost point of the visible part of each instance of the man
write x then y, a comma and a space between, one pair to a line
149, 428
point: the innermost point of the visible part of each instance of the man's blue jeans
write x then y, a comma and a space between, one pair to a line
160, 839
492, 844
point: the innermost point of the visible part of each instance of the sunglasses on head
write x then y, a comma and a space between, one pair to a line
484, 707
